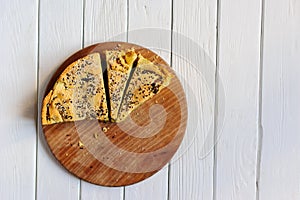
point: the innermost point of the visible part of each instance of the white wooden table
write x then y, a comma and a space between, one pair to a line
255, 46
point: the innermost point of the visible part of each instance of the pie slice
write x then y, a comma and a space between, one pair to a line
147, 80
77, 94
119, 65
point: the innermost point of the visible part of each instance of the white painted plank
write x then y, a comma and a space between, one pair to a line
280, 164
104, 20
18, 53
150, 14
60, 37
191, 172
239, 62
154, 187
90, 191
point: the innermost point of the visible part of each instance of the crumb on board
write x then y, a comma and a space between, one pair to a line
96, 135
80, 144
104, 129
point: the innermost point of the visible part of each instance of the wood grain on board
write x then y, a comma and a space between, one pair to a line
129, 151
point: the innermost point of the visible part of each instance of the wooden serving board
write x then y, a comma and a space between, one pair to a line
118, 154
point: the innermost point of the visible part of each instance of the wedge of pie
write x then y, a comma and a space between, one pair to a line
147, 80
78, 93
119, 65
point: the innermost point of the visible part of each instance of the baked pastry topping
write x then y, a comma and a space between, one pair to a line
77, 94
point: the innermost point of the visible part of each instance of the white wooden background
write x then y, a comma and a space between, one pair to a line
255, 45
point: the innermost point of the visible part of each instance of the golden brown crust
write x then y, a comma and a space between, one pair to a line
45, 110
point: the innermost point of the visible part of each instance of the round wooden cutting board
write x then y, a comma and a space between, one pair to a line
118, 154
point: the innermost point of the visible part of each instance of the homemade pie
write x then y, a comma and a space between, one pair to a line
79, 93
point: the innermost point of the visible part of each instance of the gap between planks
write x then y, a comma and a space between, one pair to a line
216, 99
260, 127
127, 29
82, 46
171, 64
37, 95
